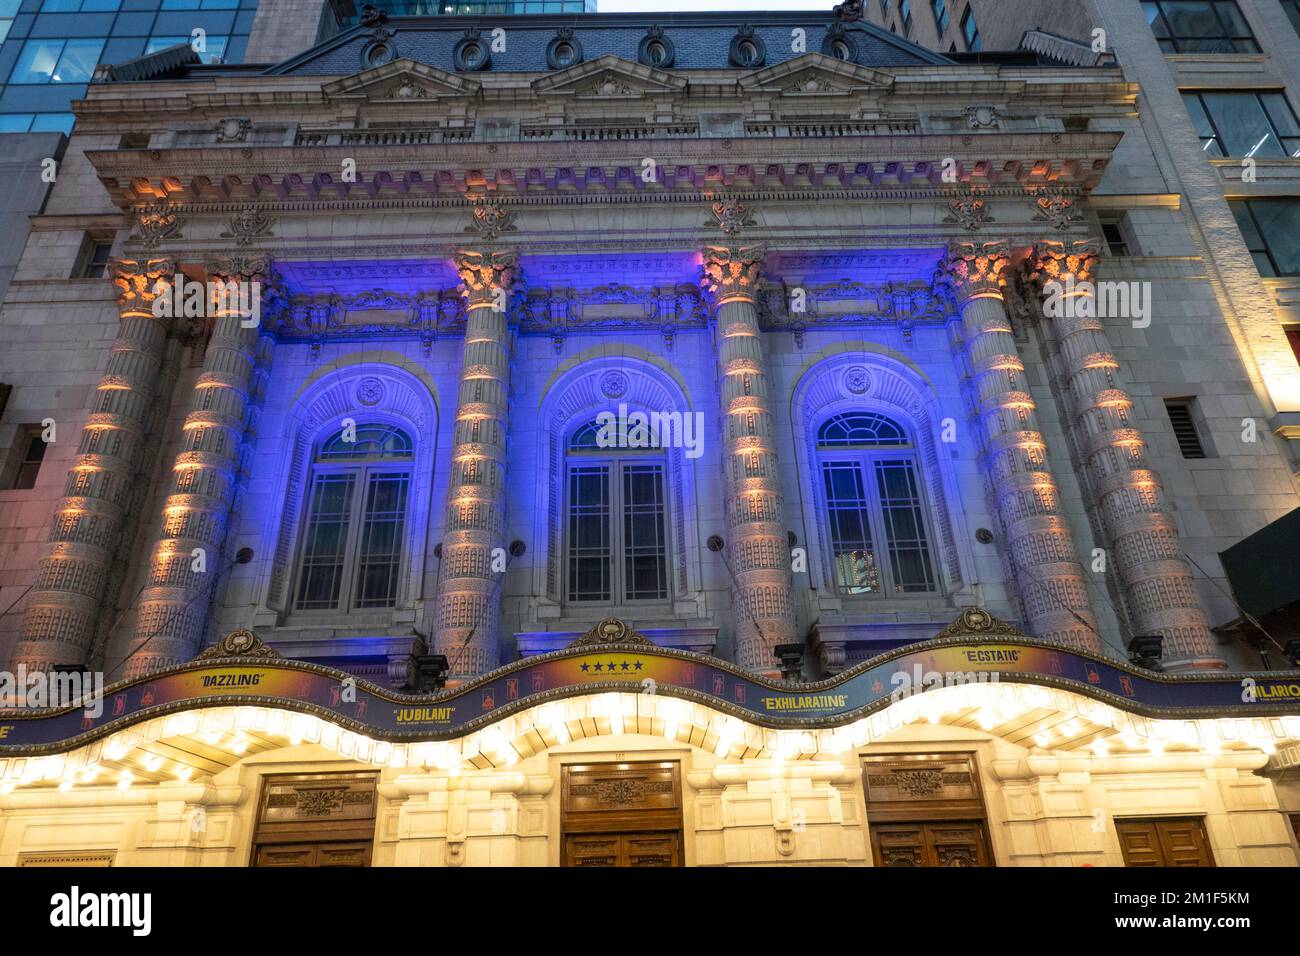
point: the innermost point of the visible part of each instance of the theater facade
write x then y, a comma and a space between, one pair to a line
734, 414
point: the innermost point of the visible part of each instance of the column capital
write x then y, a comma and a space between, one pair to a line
732, 272
484, 272
975, 269
137, 282
239, 267
1065, 262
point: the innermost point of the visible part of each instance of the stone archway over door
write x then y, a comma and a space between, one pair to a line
622, 814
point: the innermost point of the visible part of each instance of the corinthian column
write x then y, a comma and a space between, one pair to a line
468, 614
186, 561
1038, 544
1140, 533
59, 622
758, 550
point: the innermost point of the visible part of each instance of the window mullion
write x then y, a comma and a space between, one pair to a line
352, 550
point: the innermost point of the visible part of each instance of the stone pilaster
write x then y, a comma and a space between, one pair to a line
172, 614
1140, 533
468, 614
757, 550
60, 619
1038, 545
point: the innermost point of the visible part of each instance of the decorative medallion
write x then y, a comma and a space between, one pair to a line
857, 381
1056, 207
238, 643
614, 385
967, 209
370, 391
233, 129
983, 117
976, 620
248, 225
610, 631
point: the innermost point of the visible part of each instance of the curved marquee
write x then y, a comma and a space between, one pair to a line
975, 649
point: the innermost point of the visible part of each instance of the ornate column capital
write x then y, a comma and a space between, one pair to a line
1065, 262
239, 267
975, 269
484, 273
732, 272
137, 282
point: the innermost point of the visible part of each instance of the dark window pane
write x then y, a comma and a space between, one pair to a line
645, 553
909, 549
588, 533
325, 542
382, 530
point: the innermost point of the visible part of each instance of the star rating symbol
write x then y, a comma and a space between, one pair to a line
611, 666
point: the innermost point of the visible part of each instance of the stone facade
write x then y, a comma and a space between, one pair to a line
838, 267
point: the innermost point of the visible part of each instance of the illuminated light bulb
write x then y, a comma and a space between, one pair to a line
295, 740
90, 773
1100, 748
212, 737
152, 764
1042, 739
124, 780
6, 789
65, 786
184, 773
238, 745
1157, 746
1129, 740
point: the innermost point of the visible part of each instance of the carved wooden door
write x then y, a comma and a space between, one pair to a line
622, 814
315, 820
1169, 841
959, 843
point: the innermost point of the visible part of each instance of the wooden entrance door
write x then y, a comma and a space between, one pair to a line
958, 843
926, 810
622, 814
315, 820
1164, 841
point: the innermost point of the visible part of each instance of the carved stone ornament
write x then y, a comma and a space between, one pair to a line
849, 10
373, 16
1065, 261
249, 224
482, 273
975, 269
156, 222
975, 621
233, 129
967, 209
982, 117
732, 272
611, 631
731, 216
489, 221
1056, 207
137, 281
238, 643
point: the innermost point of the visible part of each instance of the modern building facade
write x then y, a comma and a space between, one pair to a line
734, 354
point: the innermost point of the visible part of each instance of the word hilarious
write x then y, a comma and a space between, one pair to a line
651, 430
74, 909
186, 299
40, 689
1072, 299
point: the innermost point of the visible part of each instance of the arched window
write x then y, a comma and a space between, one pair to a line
616, 535
356, 520
879, 541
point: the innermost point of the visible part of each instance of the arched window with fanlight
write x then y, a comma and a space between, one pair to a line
616, 535
352, 542
879, 540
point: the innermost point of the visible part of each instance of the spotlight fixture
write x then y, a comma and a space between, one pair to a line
1291, 651
430, 673
1145, 651
984, 536
715, 543
517, 548
243, 555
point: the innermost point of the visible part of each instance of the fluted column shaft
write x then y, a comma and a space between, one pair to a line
1157, 582
1038, 540
468, 611
172, 614
60, 618
757, 548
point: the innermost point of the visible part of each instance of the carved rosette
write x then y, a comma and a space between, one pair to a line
974, 270
732, 272
1140, 532
483, 272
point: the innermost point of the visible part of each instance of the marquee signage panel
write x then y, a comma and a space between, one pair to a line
633, 664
